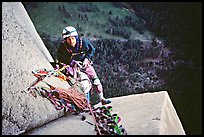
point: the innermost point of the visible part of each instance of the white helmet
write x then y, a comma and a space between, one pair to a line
69, 31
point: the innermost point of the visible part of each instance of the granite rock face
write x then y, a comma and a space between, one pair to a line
148, 114
22, 51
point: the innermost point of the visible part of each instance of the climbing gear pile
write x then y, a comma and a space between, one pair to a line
73, 100
70, 100
108, 123
58, 96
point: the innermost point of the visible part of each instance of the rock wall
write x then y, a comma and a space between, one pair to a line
22, 51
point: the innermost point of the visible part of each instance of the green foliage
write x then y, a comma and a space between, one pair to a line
116, 61
119, 31
88, 7
93, 18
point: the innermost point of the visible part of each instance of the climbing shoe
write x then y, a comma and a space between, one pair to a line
105, 101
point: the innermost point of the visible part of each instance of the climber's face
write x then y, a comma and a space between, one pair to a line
71, 40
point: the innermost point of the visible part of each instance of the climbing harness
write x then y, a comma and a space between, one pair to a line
77, 52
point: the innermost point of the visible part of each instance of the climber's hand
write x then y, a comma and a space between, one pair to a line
86, 62
75, 63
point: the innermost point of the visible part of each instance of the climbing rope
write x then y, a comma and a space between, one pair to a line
71, 100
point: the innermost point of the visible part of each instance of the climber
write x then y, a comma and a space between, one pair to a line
74, 48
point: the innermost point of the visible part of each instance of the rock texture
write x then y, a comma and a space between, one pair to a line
141, 114
148, 114
22, 51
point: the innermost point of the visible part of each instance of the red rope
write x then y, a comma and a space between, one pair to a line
94, 118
